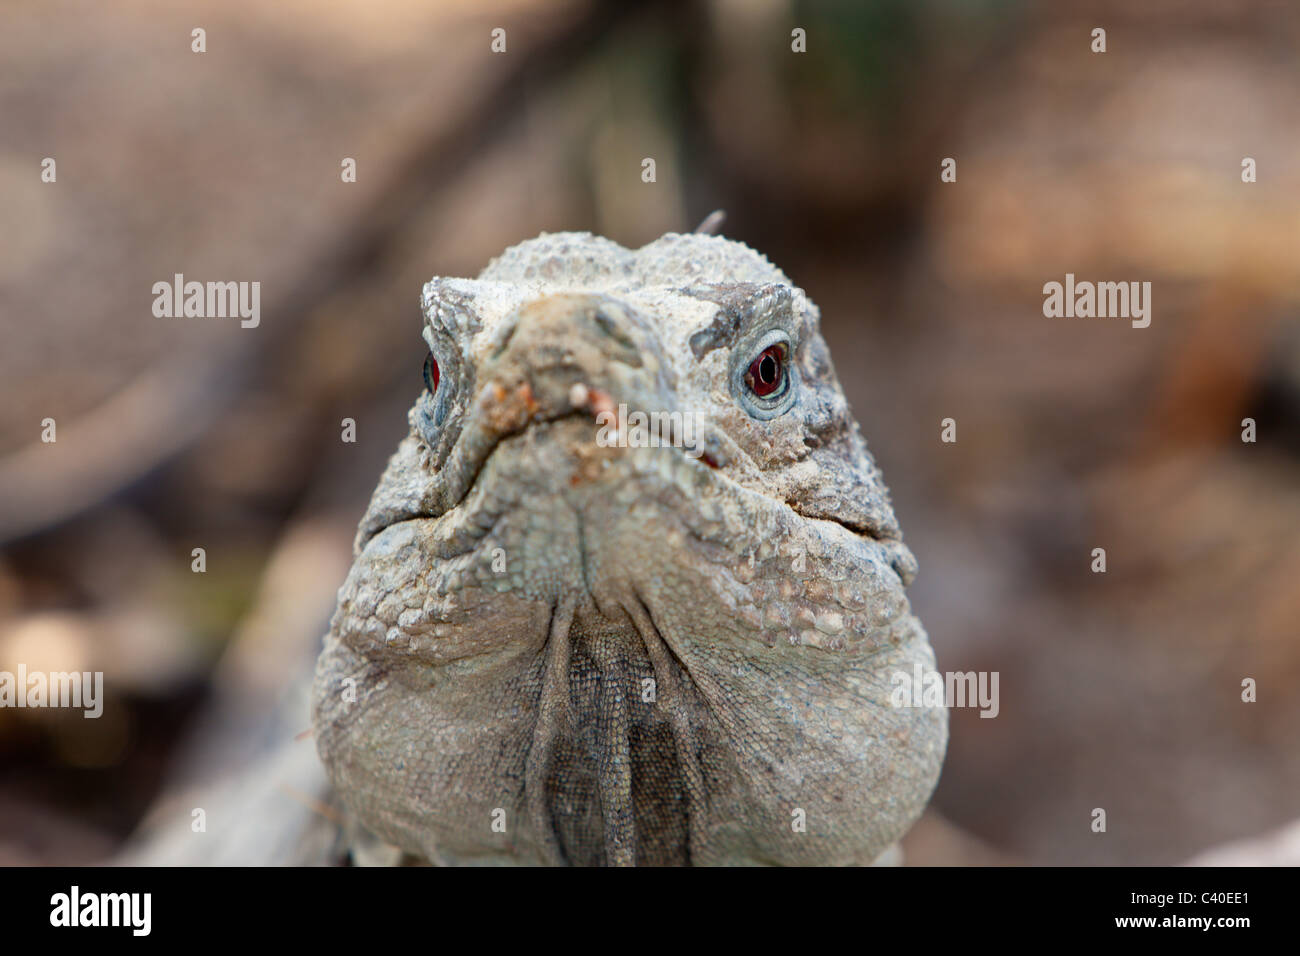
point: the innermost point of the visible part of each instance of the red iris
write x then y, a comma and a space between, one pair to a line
767, 371
431, 374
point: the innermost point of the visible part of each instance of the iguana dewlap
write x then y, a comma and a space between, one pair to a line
559, 644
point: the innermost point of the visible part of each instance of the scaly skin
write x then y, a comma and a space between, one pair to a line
566, 653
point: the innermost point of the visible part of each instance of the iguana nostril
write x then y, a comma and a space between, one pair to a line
610, 328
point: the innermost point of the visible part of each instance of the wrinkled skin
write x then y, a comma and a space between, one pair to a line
566, 653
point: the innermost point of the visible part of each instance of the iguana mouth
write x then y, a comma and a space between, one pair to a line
518, 414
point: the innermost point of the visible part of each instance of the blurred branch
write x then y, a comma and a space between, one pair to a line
161, 413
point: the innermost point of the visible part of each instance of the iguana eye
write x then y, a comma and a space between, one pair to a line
766, 373
431, 374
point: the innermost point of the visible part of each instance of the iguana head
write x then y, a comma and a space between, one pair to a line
631, 590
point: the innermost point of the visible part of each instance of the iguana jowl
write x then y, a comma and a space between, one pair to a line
552, 649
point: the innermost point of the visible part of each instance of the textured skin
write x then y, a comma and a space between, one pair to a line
627, 655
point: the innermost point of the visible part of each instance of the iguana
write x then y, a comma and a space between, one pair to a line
566, 641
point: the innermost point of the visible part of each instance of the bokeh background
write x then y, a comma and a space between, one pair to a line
1118, 690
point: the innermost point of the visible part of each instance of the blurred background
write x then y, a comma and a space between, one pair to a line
1119, 690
